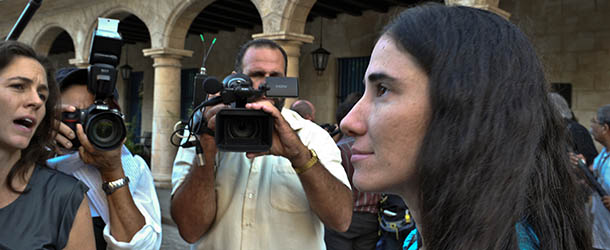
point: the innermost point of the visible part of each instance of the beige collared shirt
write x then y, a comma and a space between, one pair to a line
261, 203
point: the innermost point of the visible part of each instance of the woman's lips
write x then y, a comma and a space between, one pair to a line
359, 155
23, 128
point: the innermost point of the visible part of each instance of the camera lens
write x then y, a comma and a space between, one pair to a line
243, 128
106, 130
103, 130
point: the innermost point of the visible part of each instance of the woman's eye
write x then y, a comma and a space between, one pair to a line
381, 90
43, 97
17, 86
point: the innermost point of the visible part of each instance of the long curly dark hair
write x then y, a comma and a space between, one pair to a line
494, 154
39, 148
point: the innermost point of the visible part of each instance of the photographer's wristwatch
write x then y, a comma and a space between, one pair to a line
110, 186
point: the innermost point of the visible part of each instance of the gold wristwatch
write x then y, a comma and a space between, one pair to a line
309, 164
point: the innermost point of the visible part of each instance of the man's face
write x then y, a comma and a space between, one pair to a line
598, 129
77, 96
259, 63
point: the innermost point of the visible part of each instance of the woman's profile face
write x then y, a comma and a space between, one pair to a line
23, 94
389, 121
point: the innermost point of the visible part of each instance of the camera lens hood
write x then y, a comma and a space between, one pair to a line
106, 130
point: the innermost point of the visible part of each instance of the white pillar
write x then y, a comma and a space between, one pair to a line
166, 110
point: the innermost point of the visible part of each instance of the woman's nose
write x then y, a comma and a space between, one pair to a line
34, 99
354, 124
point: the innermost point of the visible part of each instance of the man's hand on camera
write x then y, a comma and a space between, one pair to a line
207, 141
285, 141
65, 133
107, 162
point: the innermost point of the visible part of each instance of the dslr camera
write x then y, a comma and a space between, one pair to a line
239, 129
104, 126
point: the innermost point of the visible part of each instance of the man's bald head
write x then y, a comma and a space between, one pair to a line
305, 108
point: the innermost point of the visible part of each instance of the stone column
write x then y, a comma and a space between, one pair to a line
489, 5
79, 63
166, 110
291, 43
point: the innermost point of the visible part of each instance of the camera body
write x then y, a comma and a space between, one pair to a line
104, 126
242, 130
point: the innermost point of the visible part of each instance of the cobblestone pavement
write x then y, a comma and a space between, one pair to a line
171, 239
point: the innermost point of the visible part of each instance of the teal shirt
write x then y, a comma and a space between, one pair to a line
527, 238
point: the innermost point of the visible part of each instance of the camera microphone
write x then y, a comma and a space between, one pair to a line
212, 85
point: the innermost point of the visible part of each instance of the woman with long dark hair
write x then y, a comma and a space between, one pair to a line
40, 208
456, 120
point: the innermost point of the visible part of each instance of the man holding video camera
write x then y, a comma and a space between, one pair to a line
271, 200
123, 201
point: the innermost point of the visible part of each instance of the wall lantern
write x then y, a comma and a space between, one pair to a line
126, 69
320, 55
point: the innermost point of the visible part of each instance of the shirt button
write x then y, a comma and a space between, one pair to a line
250, 195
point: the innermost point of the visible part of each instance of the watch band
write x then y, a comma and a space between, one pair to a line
110, 186
309, 164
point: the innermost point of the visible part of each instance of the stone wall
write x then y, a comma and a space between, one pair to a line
222, 57
345, 36
572, 38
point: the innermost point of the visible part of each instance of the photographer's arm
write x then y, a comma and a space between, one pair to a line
193, 206
125, 218
328, 197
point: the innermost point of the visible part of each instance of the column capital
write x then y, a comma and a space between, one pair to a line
79, 62
167, 57
489, 5
285, 36
167, 52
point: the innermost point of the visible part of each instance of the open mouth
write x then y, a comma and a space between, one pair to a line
25, 122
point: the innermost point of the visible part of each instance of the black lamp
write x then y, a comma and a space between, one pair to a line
320, 55
126, 69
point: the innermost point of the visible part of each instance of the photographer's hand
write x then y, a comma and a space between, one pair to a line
64, 133
328, 197
574, 158
107, 162
207, 141
125, 218
285, 143
193, 205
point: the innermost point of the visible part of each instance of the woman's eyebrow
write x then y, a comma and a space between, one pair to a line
21, 78
374, 77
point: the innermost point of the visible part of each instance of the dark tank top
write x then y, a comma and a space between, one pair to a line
42, 217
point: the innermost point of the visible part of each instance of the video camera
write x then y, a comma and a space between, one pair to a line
239, 129
104, 126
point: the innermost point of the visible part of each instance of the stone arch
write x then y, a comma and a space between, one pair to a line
284, 16
117, 12
46, 35
179, 21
